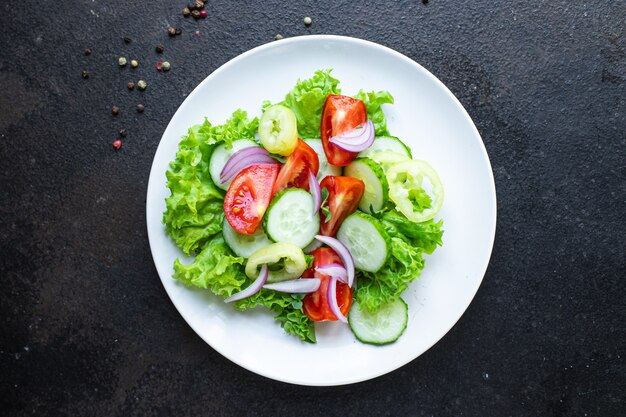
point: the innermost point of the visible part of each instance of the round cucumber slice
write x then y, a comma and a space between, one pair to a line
244, 245
376, 187
221, 155
366, 239
289, 218
381, 327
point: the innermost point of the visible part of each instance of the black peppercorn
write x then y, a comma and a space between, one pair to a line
140, 108
84, 74
127, 40
123, 133
159, 49
178, 31
115, 110
87, 51
130, 85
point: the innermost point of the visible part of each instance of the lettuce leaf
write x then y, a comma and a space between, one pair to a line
288, 309
374, 101
307, 98
409, 241
194, 211
215, 268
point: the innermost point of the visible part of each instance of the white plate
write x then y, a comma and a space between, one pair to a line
429, 119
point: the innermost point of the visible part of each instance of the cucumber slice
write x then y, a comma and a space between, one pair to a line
367, 241
384, 326
221, 155
386, 144
387, 159
244, 245
376, 187
325, 167
289, 218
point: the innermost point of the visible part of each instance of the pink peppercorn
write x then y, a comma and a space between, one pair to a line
117, 144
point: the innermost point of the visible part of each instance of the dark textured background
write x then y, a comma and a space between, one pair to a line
85, 325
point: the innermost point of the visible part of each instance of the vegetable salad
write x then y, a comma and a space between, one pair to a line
313, 211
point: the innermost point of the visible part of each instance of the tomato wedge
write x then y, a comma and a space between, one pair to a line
295, 171
315, 305
344, 195
340, 115
249, 195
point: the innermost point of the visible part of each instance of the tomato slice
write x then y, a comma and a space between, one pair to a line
339, 115
344, 195
315, 305
249, 195
295, 171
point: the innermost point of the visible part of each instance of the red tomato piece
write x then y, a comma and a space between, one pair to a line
340, 115
249, 195
344, 195
295, 171
315, 305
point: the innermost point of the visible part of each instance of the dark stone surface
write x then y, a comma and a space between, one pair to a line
85, 325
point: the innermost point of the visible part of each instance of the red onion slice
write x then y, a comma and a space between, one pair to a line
254, 288
334, 270
332, 300
295, 286
343, 253
242, 159
316, 192
356, 140
242, 153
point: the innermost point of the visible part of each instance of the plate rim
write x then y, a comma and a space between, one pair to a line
338, 38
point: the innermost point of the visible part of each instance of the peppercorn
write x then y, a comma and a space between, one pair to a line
84, 74
203, 14
123, 133
195, 14
278, 36
159, 49
117, 144
198, 5
87, 51
197, 33
178, 31
126, 40
134, 63
140, 108
191, 6
115, 110
165, 66
171, 31
130, 85
308, 21
424, 1
186, 12
122, 61
141, 84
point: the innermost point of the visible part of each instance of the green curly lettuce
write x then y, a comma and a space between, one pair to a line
374, 101
214, 268
409, 241
194, 210
307, 98
287, 309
